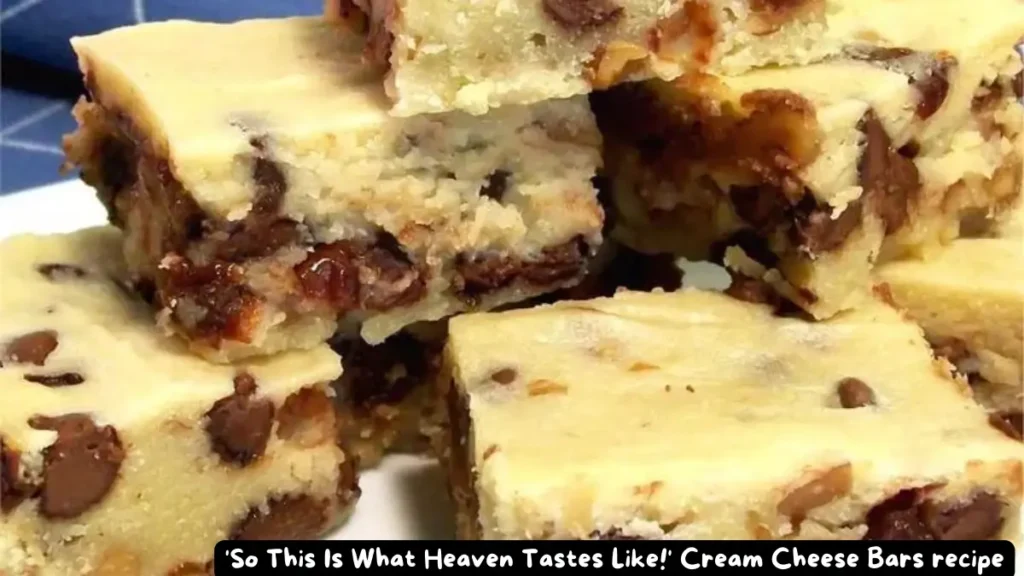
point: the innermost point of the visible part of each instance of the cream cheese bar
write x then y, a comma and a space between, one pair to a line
806, 176
695, 415
262, 204
969, 298
475, 55
122, 453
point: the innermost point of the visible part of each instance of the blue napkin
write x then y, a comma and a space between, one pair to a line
39, 89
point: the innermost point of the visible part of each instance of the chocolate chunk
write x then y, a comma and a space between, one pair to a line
80, 467
61, 272
1009, 423
979, 519
907, 516
12, 489
289, 518
763, 207
1018, 85
496, 184
933, 85
505, 376
483, 273
330, 274
557, 264
897, 519
579, 15
817, 232
56, 380
854, 393
388, 277
229, 308
890, 181
32, 348
238, 425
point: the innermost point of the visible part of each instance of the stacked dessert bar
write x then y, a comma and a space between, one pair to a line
382, 230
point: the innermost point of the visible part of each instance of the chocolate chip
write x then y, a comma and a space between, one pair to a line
854, 393
897, 518
505, 376
56, 380
890, 181
239, 426
979, 519
31, 348
289, 518
80, 467
483, 273
763, 207
578, 15
496, 184
1018, 85
61, 272
817, 232
330, 274
1009, 423
230, 309
13, 490
556, 263
387, 276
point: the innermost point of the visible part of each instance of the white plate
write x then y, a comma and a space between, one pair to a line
403, 499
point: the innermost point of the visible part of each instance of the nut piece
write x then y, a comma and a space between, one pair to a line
613, 62
854, 393
307, 418
543, 387
80, 467
238, 426
830, 485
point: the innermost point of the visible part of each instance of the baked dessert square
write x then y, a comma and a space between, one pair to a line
807, 176
122, 453
476, 55
264, 204
969, 298
695, 415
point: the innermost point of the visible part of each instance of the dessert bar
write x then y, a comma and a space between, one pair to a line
264, 203
806, 176
476, 55
695, 415
121, 452
969, 298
